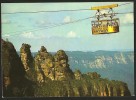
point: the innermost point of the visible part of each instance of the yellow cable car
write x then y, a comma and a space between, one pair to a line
103, 26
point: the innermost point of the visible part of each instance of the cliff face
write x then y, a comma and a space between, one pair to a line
44, 65
62, 70
52, 75
100, 59
52, 67
117, 58
78, 75
117, 65
28, 61
26, 56
14, 81
87, 85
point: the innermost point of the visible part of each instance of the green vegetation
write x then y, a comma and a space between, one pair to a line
47, 75
84, 87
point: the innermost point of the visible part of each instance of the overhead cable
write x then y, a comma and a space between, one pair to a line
58, 24
59, 10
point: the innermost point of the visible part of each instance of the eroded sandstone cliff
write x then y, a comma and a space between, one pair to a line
52, 75
14, 82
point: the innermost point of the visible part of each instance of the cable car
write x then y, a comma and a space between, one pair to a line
105, 26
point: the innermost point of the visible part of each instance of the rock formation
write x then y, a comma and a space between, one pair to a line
44, 65
26, 56
52, 74
52, 67
78, 75
28, 61
62, 70
93, 75
86, 86
14, 81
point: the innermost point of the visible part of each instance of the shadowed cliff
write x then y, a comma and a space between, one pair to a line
14, 82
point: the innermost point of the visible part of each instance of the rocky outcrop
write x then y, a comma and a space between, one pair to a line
28, 61
62, 70
52, 74
26, 56
52, 67
44, 65
78, 75
98, 63
93, 75
14, 81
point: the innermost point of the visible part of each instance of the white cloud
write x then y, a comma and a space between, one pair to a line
33, 36
67, 19
6, 35
72, 34
44, 23
41, 22
128, 18
28, 35
5, 21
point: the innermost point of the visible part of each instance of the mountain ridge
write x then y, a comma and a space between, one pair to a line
111, 71
53, 76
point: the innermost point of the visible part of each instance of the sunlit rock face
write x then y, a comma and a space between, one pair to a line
52, 67
43, 65
62, 70
26, 56
28, 61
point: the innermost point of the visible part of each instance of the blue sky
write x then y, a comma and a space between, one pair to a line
31, 27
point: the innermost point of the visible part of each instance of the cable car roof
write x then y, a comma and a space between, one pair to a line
104, 7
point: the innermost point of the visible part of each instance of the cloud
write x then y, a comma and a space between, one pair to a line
41, 22
128, 18
5, 21
28, 35
44, 23
72, 34
32, 35
67, 19
6, 35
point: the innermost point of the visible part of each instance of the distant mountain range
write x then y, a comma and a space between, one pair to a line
115, 65
100, 59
